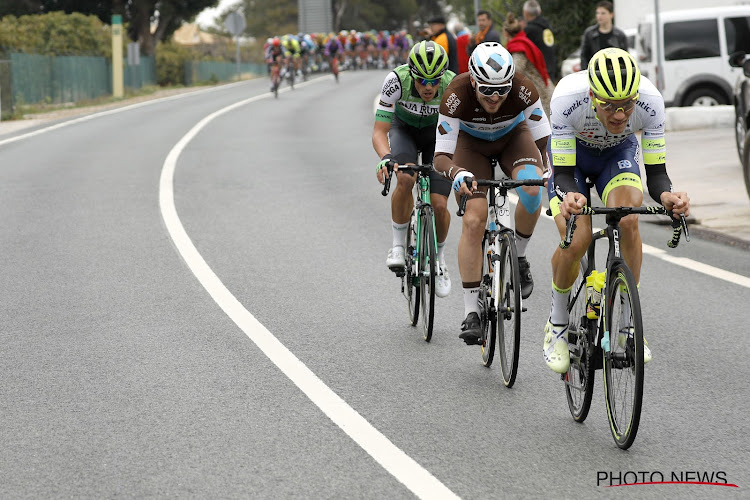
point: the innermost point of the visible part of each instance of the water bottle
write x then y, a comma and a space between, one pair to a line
594, 286
605, 341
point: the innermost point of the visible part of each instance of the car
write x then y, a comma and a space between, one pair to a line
573, 62
741, 100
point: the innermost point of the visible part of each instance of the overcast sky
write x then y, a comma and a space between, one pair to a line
206, 17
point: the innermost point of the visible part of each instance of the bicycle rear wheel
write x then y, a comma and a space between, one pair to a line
410, 277
579, 380
623, 361
427, 272
507, 299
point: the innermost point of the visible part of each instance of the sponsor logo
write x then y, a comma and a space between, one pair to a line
574, 106
645, 107
548, 38
452, 103
385, 104
418, 108
391, 90
444, 128
526, 160
525, 94
623, 164
479, 119
536, 115
558, 127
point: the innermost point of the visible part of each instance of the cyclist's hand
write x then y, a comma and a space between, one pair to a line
572, 204
459, 185
382, 170
679, 203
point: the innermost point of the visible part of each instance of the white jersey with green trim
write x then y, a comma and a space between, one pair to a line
573, 117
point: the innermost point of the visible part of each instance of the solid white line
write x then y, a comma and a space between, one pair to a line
389, 456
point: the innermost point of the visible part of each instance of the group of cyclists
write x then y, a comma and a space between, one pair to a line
298, 55
493, 114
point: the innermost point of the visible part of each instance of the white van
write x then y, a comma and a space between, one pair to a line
696, 44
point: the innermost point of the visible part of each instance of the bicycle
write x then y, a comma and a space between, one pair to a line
613, 341
500, 302
421, 250
275, 79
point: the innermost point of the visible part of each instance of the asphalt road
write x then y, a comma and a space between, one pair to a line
126, 374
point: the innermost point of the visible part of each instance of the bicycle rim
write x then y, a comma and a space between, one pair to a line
410, 277
579, 380
623, 364
508, 305
427, 273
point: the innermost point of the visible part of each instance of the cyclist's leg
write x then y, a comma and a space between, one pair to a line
471, 154
404, 151
521, 159
620, 186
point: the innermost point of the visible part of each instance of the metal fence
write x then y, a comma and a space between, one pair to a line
57, 79
206, 71
6, 90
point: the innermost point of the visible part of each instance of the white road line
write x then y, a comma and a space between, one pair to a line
389, 456
698, 267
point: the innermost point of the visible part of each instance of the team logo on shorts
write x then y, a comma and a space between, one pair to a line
624, 164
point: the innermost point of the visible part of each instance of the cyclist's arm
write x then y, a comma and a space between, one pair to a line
387, 102
538, 124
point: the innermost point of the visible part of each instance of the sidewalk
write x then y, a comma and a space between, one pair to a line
703, 162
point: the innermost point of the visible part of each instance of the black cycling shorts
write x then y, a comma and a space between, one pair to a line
407, 142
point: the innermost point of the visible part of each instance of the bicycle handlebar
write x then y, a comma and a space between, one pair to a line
407, 169
503, 184
678, 226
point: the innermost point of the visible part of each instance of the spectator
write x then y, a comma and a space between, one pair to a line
528, 59
463, 37
486, 31
539, 31
603, 34
440, 35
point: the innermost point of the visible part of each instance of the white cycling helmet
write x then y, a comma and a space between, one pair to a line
491, 63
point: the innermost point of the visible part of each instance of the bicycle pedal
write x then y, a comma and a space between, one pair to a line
523, 309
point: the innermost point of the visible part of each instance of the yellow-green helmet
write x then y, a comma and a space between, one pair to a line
428, 59
613, 74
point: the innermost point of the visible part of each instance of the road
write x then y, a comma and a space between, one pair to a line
196, 305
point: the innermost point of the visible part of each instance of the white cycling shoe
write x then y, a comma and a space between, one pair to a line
442, 282
396, 260
555, 348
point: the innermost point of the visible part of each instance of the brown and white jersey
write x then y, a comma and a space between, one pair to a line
460, 111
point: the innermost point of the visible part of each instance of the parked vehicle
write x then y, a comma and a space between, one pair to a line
695, 46
742, 113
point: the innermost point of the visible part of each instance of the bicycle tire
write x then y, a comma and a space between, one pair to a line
488, 327
410, 276
508, 306
579, 380
623, 364
427, 272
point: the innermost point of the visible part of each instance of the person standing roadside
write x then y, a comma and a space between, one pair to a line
463, 37
440, 35
603, 34
539, 31
486, 31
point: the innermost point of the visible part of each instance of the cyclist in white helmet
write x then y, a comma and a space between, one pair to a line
491, 112
595, 115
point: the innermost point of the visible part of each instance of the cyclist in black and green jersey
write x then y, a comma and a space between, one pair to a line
405, 123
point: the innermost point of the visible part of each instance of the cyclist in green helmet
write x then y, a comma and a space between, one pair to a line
405, 122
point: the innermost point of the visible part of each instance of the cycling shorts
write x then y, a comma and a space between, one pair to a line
606, 169
407, 141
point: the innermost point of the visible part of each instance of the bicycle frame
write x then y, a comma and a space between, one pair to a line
422, 188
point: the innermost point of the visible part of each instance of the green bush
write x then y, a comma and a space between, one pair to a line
170, 63
56, 34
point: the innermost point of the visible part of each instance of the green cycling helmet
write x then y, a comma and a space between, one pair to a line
428, 60
613, 74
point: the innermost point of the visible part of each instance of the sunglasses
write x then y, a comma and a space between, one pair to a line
611, 107
428, 81
489, 90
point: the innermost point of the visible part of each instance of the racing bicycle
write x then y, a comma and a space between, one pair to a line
419, 273
500, 302
613, 341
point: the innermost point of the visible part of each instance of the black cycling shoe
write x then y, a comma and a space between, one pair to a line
471, 330
527, 282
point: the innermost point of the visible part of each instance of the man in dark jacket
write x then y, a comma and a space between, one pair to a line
602, 35
485, 31
539, 31
440, 35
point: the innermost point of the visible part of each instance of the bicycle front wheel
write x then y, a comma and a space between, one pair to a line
411, 275
623, 357
579, 380
427, 272
507, 300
